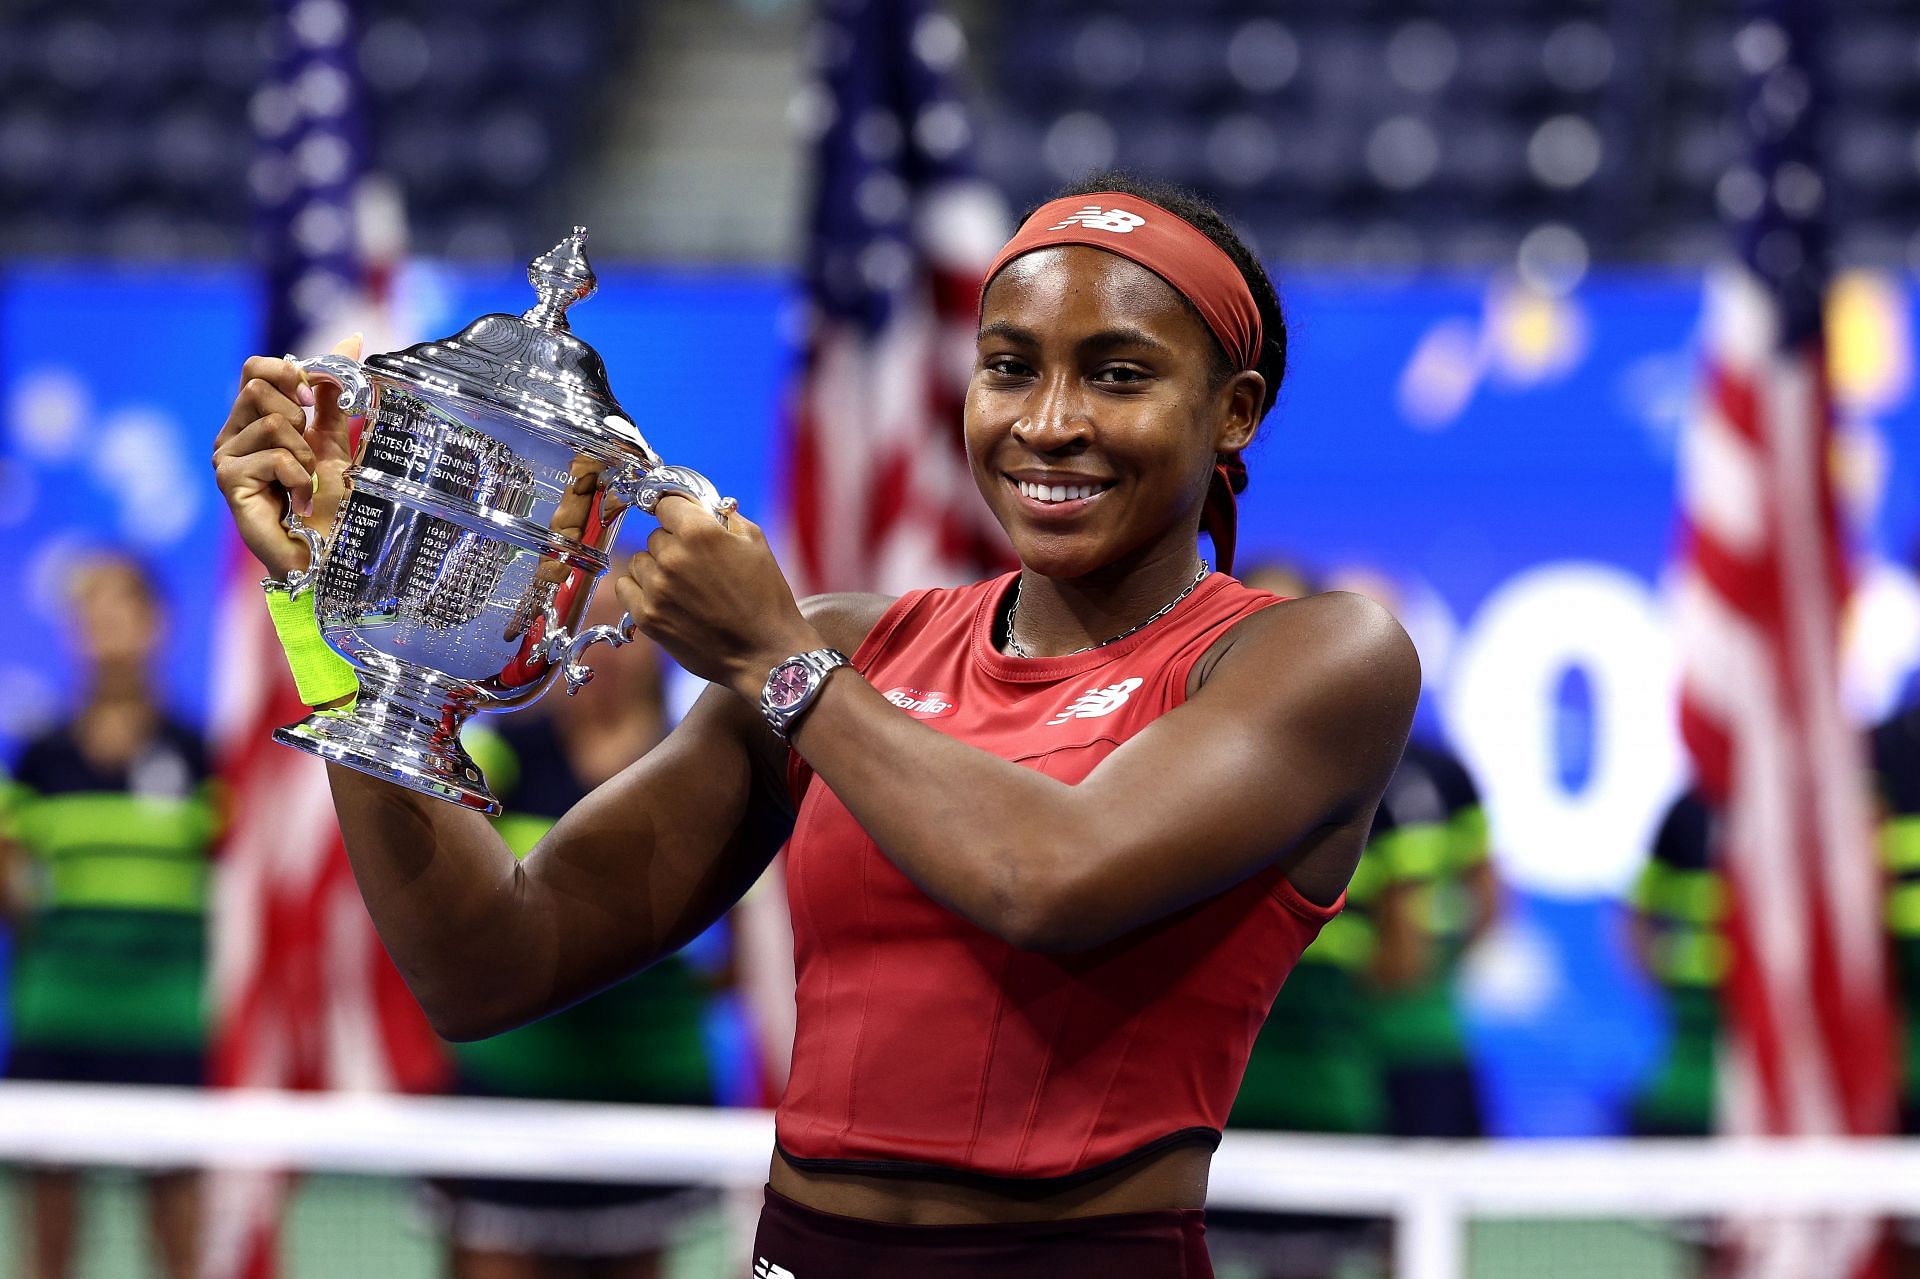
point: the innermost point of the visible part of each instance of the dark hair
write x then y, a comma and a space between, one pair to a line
1195, 209
134, 572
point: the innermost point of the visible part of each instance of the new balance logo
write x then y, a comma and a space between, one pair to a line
1096, 702
1095, 218
764, 1269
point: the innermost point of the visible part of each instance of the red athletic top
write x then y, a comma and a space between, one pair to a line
925, 1044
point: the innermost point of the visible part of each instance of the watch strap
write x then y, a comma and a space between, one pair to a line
818, 663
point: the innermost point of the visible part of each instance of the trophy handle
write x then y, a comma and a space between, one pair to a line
301, 580
562, 645
356, 397
356, 388
645, 487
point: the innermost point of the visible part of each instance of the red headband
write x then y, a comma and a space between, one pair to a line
1164, 243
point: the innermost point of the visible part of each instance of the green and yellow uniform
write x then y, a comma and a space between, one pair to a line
109, 976
1896, 763
1436, 844
1681, 899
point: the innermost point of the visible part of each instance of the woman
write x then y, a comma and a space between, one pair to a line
1055, 837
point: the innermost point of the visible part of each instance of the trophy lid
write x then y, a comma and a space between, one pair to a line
530, 366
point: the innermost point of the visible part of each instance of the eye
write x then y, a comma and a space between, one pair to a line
1120, 374
1004, 366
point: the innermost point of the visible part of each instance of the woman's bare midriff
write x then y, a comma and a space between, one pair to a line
1174, 1178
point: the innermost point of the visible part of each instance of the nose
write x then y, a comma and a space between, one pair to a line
1058, 422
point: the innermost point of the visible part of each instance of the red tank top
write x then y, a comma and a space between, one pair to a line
924, 1043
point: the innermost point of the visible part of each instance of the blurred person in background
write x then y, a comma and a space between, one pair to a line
643, 1041
1896, 767
1679, 937
1678, 931
109, 821
1431, 849
1433, 853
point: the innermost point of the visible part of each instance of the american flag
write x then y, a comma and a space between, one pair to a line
1765, 577
900, 230
304, 995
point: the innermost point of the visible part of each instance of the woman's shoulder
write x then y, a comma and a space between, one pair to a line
1332, 632
845, 618
848, 618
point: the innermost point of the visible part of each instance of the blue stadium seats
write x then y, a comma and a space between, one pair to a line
124, 124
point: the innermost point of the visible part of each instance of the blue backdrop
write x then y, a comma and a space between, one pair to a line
1501, 461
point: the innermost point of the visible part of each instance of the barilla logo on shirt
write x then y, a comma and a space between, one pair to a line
919, 702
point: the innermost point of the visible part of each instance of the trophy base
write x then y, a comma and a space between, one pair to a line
399, 739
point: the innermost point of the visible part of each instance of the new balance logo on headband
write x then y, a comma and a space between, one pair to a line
764, 1269
1095, 218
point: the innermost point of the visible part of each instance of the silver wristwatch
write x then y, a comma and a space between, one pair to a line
792, 686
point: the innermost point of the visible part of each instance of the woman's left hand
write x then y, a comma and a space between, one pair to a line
714, 598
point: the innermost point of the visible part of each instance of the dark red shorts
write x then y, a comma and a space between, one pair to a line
797, 1242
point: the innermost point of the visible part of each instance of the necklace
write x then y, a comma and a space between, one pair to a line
1017, 649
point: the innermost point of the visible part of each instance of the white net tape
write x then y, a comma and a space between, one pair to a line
1431, 1191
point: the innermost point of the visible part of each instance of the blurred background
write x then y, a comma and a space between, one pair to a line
1491, 223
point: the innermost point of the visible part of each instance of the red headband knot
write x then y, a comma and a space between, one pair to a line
1164, 243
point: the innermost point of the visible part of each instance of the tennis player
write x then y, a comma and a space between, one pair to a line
1054, 839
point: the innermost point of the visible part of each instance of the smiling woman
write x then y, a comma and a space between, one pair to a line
1054, 839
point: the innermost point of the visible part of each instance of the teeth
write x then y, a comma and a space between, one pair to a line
1056, 492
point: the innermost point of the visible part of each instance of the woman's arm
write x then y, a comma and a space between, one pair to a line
1281, 755
636, 870
1293, 737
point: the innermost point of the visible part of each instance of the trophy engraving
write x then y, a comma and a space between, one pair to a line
488, 480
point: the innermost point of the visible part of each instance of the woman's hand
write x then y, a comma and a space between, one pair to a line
268, 452
714, 597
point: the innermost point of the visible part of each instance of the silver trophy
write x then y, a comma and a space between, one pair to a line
488, 480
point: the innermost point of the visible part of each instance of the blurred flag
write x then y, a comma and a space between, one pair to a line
304, 994
900, 231
1765, 576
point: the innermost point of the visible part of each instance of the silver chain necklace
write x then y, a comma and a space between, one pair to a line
1017, 649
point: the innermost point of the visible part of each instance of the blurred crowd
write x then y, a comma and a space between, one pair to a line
111, 830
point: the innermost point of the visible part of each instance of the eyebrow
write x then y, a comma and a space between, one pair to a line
1105, 339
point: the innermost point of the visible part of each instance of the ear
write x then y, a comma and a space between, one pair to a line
1243, 394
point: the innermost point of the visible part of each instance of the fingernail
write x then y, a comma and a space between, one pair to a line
305, 395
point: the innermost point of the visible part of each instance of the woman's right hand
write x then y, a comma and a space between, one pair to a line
268, 453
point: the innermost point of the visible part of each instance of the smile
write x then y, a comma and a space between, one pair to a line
1052, 493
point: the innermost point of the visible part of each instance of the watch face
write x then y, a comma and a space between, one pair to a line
788, 684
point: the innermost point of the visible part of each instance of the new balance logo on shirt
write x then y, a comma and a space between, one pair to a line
1096, 702
1095, 218
764, 1269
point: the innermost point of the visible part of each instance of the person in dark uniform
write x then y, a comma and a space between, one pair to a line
1437, 858
1679, 928
1896, 769
642, 1041
107, 823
